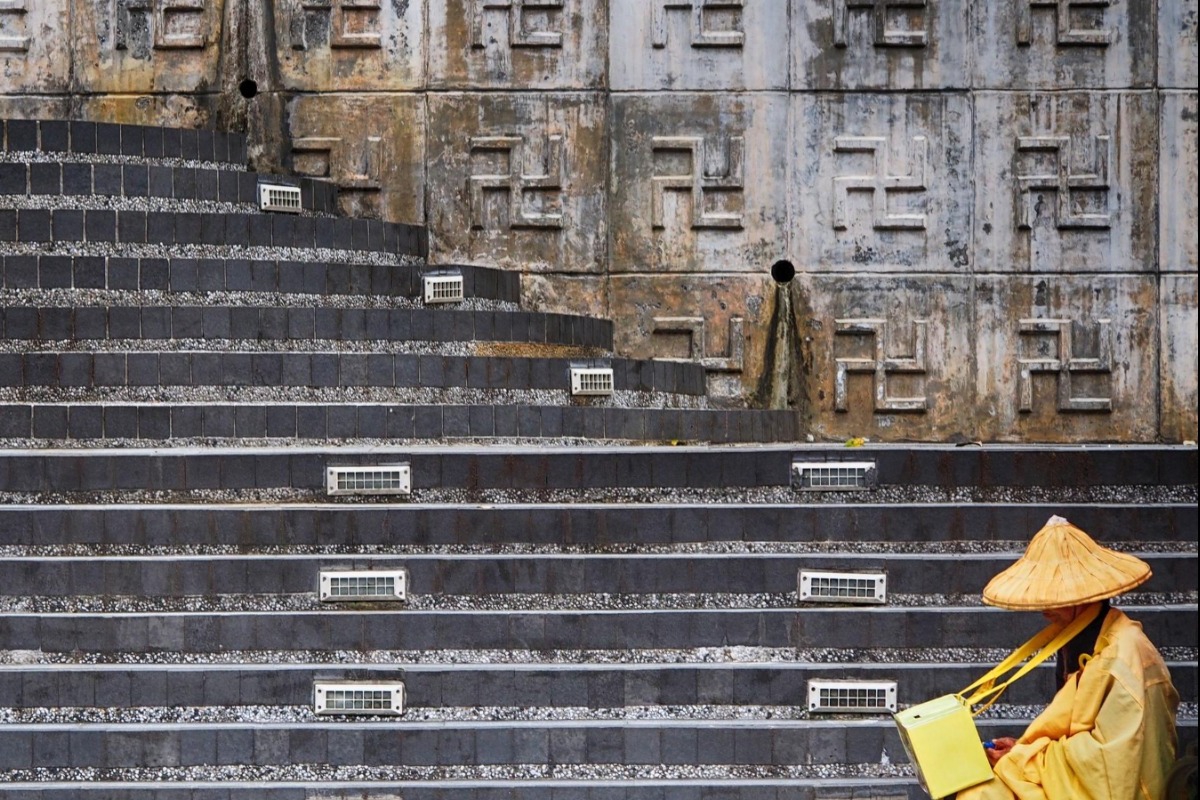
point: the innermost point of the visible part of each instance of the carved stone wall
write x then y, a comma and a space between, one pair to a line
991, 208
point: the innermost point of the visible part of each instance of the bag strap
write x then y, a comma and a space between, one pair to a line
1044, 644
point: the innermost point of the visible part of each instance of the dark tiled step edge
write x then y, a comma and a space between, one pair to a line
102, 226
137, 141
243, 275
56, 324
911, 527
181, 576
161, 423
584, 686
1173, 626
156, 180
337, 369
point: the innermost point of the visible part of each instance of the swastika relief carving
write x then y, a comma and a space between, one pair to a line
354, 169
13, 32
880, 365
702, 12
342, 24
1067, 185
520, 34
880, 183
703, 184
514, 181
881, 11
143, 25
1067, 30
1063, 364
698, 346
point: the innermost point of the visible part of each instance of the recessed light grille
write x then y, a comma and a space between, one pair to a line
273, 197
352, 697
842, 587
446, 288
591, 380
851, 697
832, 476
384, 479
347, 586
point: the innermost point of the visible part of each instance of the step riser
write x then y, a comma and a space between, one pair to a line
224, 323
167, 229
136, 141
963, 575
334, 526
324, 370
412, 630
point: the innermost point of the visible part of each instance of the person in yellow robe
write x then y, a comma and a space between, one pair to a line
1109, 732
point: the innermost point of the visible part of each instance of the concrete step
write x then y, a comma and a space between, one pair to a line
886, 627
244, 275
516, 467
224, 323
166, 229
132, 141
81, 372
192, 691
590, 527
72, 179
912, 578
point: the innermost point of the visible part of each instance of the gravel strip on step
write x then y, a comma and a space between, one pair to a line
517, 602
696, 655
1012, 547
485, 348
86, 202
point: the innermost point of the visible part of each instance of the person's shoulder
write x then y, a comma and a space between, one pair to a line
1127, 642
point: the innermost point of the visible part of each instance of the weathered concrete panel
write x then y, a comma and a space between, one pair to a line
879, 44
34, 107
150, 46
35, 51
698, 44
1178, 153
885, 357
1066, 182
1056, 44
722, 322
882, 182
586, 295
1177, 20
339, 45
1178, 319
698, 182
171, 110
1065, 358
519, 44
371, 146
519, 180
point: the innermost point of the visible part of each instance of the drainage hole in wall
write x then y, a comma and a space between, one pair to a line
248, 88
783, 271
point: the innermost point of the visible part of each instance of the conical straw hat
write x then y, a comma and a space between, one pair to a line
1063, 566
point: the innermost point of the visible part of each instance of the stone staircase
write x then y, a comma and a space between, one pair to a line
602, 592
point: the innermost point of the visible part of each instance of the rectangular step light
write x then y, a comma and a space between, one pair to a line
851, 697
842, 587
375, 480
832, 476
354, 697
276, 197
443, 288
594, 381
349, 586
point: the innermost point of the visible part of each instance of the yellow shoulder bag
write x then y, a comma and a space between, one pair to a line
940, 736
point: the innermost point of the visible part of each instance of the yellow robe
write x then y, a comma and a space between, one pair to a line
1109, 733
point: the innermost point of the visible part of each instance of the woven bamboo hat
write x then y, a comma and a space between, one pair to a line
1063, 566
